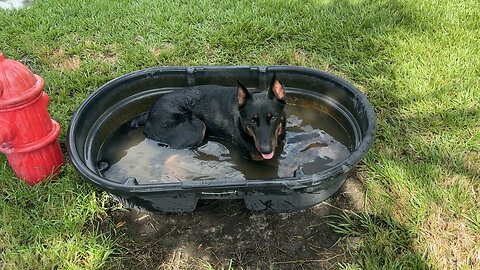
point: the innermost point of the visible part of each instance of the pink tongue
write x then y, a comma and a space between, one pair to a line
267, 156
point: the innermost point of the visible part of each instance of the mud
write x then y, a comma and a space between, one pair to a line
224, 234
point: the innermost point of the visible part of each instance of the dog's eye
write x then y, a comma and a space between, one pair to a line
253, 121
273, 118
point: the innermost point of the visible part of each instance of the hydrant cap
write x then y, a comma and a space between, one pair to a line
18, 84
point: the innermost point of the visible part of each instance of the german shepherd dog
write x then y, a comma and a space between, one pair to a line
253, 121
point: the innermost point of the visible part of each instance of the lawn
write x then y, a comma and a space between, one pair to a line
417, 61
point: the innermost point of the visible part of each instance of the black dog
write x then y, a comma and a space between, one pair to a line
255, 122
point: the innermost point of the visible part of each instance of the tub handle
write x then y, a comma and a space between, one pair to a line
220, 194
216, 183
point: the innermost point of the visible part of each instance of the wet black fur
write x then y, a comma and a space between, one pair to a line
183, 118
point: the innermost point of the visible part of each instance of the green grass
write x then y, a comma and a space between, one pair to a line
52, 225
417, 61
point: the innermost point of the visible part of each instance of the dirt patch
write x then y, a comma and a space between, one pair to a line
224, 234
108, 55
162, 50
61, 60
299, 57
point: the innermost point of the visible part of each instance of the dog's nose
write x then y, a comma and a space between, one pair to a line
265, 148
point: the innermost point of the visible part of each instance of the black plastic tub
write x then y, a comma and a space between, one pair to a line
123, 98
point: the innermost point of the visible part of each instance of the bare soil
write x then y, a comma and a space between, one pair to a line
224, 234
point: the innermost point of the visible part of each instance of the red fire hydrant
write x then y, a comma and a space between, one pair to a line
28, 136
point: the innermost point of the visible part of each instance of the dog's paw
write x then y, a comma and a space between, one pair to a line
256, 157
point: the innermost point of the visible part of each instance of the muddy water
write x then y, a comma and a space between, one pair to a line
315, 140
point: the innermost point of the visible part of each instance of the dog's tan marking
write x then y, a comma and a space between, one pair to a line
256, 157
278, 130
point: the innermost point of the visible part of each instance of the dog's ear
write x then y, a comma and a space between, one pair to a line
276, 89
242, 95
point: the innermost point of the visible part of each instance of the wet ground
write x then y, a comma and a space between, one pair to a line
224, 234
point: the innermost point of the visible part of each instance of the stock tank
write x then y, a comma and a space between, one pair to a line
331, 126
